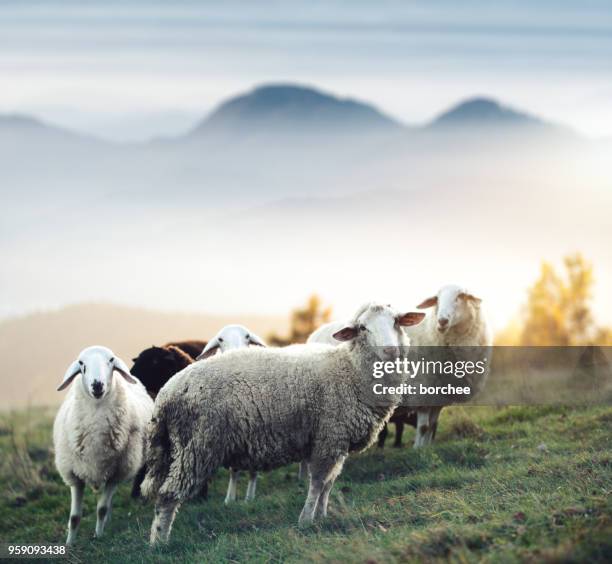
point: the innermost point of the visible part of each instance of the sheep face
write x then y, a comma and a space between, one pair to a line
230, 337
96, 366
453, 306
379, 327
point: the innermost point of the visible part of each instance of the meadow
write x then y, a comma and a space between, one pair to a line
512, 484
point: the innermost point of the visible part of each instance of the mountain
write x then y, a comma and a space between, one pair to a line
259, 145
19, 129
37, 348
484, 112
293, 109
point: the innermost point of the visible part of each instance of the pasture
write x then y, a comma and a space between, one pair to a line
499, 485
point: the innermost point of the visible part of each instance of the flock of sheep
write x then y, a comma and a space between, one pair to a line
186, 409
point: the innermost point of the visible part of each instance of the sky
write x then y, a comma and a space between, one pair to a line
133, 70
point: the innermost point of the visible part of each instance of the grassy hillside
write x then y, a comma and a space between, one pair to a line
514, 484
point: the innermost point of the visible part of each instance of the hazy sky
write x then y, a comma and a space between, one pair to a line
135, 69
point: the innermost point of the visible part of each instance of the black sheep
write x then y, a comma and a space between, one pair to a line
156, 365
192, 348
401, 416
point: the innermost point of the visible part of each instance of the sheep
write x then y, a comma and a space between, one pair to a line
401, 416
262, 408
99, 433
233, 337
156, 365
193, 348
456, 321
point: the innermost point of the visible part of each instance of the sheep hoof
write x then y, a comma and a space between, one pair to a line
305, 522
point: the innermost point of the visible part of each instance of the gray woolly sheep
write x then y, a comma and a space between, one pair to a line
99, 432
262, 408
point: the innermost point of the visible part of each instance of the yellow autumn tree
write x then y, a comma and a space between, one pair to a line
558, 310
303, 322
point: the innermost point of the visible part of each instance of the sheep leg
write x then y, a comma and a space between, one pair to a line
321, 511
250, 494
422, 427
382, 436
314, 491
103, 509
165, 512
76, 511
232, 486
303, 471
322, 473
434, 414
138, 479
399, 430
203, 493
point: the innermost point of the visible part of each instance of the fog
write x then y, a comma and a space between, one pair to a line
254, 225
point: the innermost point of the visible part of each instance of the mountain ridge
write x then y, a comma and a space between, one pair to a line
282, 107
299, 109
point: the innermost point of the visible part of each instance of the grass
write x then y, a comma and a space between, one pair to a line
528, 484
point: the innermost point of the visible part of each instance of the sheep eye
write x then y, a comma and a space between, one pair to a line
112, 359
81, 362
247, 336
220, 339
363, 328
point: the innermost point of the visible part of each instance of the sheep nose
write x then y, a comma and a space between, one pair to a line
443, 322
389, 351
97, 389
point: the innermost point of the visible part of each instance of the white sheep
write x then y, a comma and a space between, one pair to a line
233, 337
324, 335
99, 432
457, 320
262, 408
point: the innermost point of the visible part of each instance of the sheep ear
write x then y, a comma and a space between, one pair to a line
345, 334
121, 367
210, 349
470, 298
255, 340
73, 371
410, 318
429, 302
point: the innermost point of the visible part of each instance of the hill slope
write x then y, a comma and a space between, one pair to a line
58, 336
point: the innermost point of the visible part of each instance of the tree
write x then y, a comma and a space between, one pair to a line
303, 322
558, 310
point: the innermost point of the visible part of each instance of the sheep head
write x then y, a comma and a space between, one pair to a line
379, 326
454, 305
229, 338
96, 366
